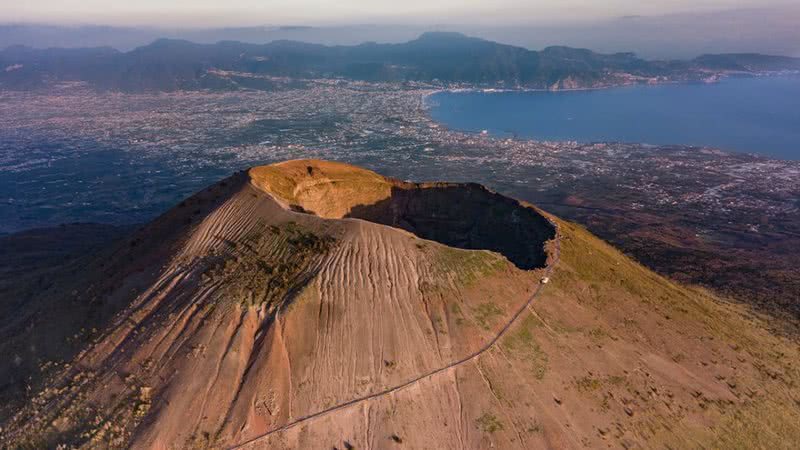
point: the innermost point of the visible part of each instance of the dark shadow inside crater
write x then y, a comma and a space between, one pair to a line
466, 216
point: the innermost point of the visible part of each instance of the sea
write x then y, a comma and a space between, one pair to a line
754, 115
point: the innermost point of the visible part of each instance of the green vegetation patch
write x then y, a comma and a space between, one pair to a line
486, 314
522, 344
601, 269
459, 316
268, 264
467, 266
591, 383
763, 424
597, 334
489, 423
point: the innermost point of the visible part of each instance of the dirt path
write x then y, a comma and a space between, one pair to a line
547, 272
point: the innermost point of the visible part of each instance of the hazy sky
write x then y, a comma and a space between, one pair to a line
319, 12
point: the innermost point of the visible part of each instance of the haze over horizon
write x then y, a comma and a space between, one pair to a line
213, 13
673, 29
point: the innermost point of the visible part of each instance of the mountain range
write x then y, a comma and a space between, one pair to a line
437, 57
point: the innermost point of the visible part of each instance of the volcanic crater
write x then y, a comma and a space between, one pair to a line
462, 215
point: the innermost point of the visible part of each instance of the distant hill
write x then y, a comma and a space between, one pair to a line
769, 29
747, 62
438, 57
313, 304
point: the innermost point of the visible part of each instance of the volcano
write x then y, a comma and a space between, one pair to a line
314, 304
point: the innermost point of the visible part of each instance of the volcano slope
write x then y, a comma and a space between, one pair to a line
312, 304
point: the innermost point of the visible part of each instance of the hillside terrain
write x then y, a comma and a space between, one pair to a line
313, 304
434, 57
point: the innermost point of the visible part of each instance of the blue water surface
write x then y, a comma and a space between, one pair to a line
755, 115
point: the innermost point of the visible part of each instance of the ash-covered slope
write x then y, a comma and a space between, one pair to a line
311, 304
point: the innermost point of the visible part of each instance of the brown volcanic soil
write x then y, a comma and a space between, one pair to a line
264, 312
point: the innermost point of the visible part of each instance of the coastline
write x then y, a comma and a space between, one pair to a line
713, 79
777, 152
